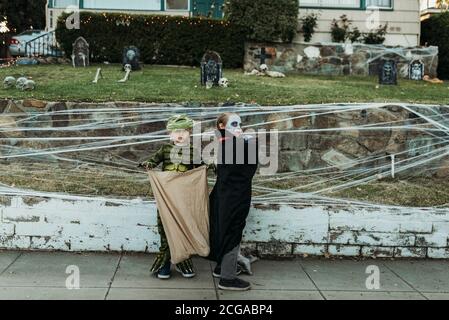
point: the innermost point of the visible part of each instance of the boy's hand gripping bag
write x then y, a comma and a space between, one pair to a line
183, 203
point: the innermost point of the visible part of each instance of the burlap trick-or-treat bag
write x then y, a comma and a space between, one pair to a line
183, 203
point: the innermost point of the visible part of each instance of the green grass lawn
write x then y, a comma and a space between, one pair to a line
413, 192
181, 84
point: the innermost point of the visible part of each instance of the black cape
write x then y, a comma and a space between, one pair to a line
230, 199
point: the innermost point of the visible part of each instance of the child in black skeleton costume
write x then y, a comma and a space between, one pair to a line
231, 199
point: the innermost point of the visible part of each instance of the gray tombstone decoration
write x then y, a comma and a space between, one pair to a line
211, 68
131, 56
416, 70
80, 53
388, 72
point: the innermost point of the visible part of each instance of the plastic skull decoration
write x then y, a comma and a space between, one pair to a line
263, 68
128, 67
223, 82
21, 82
29, 85
9, 82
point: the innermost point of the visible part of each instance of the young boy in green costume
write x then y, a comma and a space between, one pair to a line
180, 128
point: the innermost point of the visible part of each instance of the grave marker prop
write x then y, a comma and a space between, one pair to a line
416, 70
211, 69
131, 56
388, 72
80, 53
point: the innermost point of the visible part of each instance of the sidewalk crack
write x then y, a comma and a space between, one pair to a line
9, 265
217, 295
310, 278
406, 282
113, 276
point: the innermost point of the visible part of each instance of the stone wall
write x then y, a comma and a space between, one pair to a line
338, 58
96, 225
298, 150
89, 224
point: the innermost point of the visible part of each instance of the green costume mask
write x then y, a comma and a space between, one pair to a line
179, 122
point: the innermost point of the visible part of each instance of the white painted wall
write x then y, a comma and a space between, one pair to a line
95, 225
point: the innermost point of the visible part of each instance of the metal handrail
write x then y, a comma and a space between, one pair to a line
44, 45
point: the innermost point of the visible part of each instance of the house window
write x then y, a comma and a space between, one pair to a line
65, 3
123, 5
177, 5
331, 3
379, 4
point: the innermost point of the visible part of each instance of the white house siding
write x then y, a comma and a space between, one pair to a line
403, 22
151, 7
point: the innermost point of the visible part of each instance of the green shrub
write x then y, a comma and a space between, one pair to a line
340, 29
435, 32
309, 23
355, 35
265, 20
163, 40
376, 36
23, 14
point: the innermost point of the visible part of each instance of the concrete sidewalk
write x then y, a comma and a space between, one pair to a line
42, 275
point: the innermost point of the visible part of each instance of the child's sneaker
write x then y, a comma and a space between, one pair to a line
217, 271
186, 272
165, 272
234, 285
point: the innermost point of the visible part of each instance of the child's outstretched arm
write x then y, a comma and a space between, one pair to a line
154, 161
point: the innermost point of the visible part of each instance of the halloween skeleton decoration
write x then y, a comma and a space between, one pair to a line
98, 76
263, 71
128, 69
263, 68
275, 74
29, 85
211, 69
9, 82
21, 82
81, 57
224, 83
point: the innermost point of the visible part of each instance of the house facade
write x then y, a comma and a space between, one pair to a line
402, 16
211, 8
432, 7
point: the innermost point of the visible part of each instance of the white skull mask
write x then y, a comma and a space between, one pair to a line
128, 67
234, 125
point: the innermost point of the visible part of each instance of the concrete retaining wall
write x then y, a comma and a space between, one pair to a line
96, 225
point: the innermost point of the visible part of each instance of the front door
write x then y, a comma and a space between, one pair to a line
208, 8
